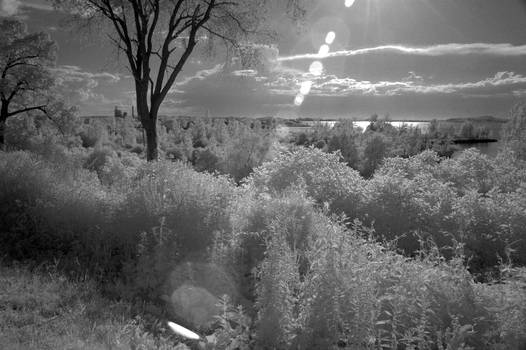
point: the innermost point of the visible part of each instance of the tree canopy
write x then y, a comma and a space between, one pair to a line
25, 78
158, 36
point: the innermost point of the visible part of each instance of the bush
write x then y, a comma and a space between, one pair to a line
403, 209
471, 199
108, 166
190, 207
358, 295
51, 212
324, 176
307, 280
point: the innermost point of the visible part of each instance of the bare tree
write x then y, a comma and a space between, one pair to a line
25, 78
158, 36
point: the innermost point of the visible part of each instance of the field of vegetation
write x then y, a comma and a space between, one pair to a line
332, 242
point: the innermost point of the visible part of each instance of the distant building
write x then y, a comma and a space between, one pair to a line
119, 114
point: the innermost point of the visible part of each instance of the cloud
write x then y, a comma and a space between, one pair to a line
435, 50
16, 7
501, 83
9, 7
73, 74
246, 85
266, 86
79, 86
37, 5
244, 91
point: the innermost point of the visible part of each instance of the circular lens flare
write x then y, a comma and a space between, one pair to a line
298, 100
324, 51
329, 39
316, 68
305, 87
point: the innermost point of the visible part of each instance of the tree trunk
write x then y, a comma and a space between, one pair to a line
152, 147
3, 118
148, 119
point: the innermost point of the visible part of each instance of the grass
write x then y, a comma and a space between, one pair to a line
44, 310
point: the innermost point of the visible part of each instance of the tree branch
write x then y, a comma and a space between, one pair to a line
41, 108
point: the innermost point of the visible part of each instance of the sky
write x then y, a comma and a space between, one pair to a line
409, 59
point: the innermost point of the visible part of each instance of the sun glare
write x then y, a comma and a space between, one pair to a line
183, 332
329, 39
324, 50
305, 87
298, 100
316, 67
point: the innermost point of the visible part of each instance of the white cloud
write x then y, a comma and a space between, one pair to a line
500, 83
79, 86
37, 5
435, 50
16, 7
74, 74
245, 90
9, 7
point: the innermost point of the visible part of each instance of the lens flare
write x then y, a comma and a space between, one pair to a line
183, 332
324, 51
305, 87
329, 39
316, 68
298, 100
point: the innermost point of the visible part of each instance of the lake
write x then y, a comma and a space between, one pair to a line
489, 148
363, 124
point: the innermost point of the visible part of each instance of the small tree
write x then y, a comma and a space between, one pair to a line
373, 154
467, 130
515, 131
158, 36
25, 77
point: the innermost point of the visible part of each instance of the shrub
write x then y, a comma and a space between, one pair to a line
402, 208
357, 294
108, 166
278, 279
137, 149
190, 205
52, 212
471, 199
324, 176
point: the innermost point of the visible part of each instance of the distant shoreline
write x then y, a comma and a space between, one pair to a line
483, 119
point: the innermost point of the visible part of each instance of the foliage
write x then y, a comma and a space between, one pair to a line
358, 295
192, 204
365, 150
515, 131
226, 145
35, 132
42, 309
108, 166
135, 30
325, 178
234, 328
467, 199
24, 61
470, 199
306, 277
